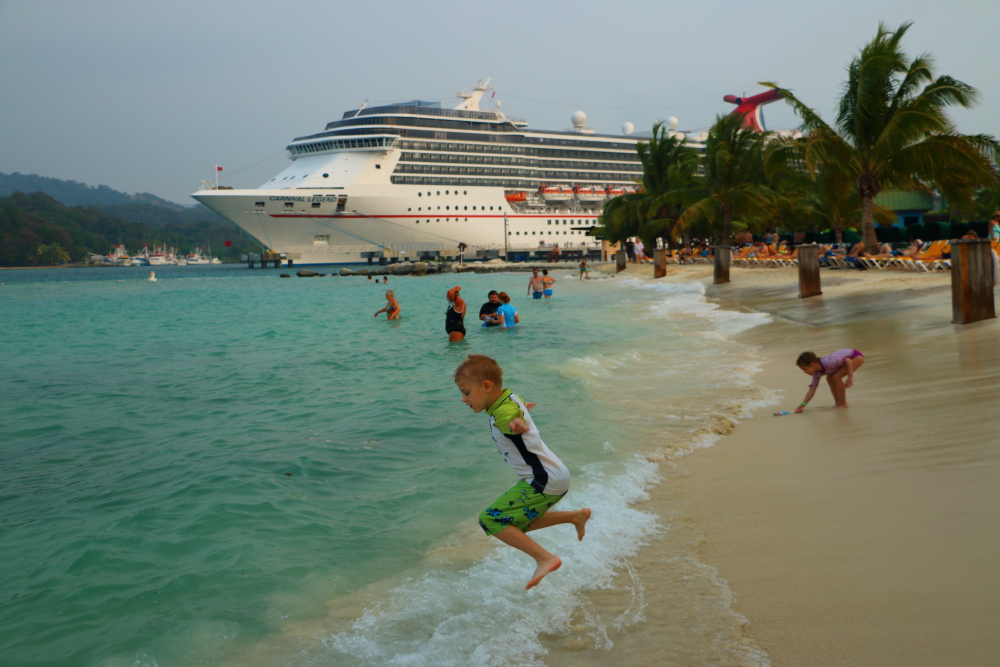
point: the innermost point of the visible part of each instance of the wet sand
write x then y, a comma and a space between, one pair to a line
867, 536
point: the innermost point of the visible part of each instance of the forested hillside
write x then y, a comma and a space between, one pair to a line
36, 229
141, 207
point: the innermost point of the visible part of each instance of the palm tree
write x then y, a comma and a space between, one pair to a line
667, 165
732, 182
49, 255
892, 134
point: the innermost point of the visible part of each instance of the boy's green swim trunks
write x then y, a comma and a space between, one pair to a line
518, 507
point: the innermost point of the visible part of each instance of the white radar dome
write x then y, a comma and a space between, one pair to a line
579, 119
672, 122
627, 128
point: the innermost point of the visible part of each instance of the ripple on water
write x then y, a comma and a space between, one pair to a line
183, 482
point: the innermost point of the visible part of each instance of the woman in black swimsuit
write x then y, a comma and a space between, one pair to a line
454, 317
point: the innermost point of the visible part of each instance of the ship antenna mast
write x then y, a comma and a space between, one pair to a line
356, 113
470, 98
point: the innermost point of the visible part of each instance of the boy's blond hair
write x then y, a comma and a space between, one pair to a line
479, 367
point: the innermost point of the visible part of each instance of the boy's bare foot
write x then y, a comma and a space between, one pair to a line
581, 522
837, 407
544, 567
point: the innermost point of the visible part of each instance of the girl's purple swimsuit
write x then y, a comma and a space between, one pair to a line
832, 363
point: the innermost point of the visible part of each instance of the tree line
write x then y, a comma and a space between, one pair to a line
35, 229
891, 133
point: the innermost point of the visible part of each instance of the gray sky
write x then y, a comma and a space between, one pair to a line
146, 96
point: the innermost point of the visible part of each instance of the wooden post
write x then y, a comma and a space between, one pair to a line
971, 281
620, 259
659, 263
722, 258
809, 284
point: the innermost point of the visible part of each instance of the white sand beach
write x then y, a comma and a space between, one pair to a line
867, 536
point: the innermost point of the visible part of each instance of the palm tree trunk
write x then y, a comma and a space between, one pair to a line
868, 225
727, 223
867, 189
838, 230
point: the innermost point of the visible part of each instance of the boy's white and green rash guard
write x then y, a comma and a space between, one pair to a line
526, 453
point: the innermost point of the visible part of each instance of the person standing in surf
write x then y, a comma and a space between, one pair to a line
391, 309
544, 480
535, 285
547, 282
454, 317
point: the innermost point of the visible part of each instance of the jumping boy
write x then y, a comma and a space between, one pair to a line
544, 479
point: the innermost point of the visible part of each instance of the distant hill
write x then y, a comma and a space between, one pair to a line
141, 207
28, 221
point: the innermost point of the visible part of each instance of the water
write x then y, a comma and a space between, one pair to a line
227, 468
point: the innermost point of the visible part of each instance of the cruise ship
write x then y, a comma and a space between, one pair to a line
415, 180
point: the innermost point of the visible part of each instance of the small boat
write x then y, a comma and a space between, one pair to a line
590, 194
558, 193
160, 257
141, 258
119, 257
195, 257
516, 197
615, 191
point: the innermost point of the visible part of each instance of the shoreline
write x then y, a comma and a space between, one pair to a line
866, 536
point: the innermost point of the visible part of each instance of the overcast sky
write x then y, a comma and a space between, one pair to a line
147, 96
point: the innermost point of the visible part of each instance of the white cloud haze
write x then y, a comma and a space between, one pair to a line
148, 96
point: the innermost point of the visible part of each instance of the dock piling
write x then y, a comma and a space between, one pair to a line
659, 262
809, 282
723, 256
972, 281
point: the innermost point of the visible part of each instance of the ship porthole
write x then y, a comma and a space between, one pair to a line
326, 175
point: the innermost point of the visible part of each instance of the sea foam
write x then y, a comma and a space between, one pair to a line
483, 616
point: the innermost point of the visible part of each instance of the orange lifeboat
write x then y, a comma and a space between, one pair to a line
589, 194
615, 191
552, 193
516, 196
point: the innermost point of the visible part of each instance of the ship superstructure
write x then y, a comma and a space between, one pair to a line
414, 179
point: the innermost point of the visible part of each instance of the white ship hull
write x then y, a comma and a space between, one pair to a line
386, 221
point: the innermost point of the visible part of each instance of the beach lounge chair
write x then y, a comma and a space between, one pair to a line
916, 263
740, 258
905, 261
931, 261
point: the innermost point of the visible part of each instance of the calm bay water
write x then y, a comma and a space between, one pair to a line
223, 467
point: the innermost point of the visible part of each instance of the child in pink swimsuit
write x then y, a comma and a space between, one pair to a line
836, 367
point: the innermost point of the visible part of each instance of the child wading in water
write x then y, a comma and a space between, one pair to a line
544, 478
836, 367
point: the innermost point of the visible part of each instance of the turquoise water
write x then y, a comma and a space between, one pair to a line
223, 467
